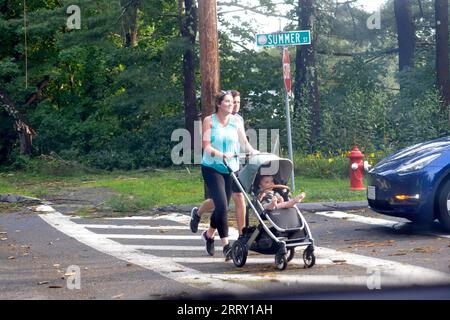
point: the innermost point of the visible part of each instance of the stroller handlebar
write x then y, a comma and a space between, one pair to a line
245, 156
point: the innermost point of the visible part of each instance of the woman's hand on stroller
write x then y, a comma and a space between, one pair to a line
230, 155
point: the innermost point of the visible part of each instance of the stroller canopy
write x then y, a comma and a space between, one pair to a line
265, 164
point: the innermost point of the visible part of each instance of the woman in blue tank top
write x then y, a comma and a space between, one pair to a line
223, 134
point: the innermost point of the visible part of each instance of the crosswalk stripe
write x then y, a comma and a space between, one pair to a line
133, 227
411, 273
250, 260
163, 266
358, 218
372, 221
401, 273
366, 281
164, 248
156, 237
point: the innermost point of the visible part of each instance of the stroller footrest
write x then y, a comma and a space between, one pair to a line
298, 244
295, 240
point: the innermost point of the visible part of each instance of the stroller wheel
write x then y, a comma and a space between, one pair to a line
281, 262
239, 254
290, 254
309, 258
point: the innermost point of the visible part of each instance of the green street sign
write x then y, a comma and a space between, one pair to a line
291, 38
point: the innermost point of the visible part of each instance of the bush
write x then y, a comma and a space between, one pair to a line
329, 165
149, 146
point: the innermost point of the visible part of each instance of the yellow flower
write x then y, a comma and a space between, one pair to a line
330, 160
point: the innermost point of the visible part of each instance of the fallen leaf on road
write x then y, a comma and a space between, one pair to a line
3, 239
3, 232
339, 261
69, 274
163, 231
11, 258
370, 244
397, 254
43, 282
118, 296
56, 265
55, 287
425, 250
130, 264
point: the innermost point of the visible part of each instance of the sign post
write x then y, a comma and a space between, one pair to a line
287, 86
284, 39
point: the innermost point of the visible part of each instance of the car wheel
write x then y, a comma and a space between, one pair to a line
444, 206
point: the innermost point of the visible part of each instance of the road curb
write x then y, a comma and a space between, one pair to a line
14, 198
309, 207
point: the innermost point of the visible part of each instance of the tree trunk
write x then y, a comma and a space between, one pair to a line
21, 125
209, 55
442, 52
130, 17
306, 80
188, 28
406, 33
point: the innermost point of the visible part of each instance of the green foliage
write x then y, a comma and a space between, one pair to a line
114, 107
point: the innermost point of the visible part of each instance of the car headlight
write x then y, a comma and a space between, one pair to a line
418, 164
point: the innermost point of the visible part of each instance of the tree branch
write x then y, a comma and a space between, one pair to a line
252, 9
21, 123
40, 86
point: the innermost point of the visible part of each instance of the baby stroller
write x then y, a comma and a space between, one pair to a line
278, 231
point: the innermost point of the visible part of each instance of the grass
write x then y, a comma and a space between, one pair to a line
145, 189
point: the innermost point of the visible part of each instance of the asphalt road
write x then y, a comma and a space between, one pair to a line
49, 255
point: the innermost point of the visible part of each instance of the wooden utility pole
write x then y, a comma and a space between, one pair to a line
209, 55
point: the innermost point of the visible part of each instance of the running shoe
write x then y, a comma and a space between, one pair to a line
208, 242
195, 220
227, 252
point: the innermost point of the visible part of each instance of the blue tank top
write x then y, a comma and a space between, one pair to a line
226, 140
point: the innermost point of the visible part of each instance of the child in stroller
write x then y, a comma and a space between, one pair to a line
273, 196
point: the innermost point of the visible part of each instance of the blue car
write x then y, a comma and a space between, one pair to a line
414, 183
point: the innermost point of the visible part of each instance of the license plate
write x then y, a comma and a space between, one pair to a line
371, 195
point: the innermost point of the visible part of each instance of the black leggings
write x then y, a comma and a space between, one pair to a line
219, 185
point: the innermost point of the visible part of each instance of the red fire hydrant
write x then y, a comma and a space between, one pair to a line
356, 169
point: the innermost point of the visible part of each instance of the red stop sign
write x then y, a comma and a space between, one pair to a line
287, 70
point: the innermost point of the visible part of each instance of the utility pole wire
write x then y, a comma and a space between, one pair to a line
26, 42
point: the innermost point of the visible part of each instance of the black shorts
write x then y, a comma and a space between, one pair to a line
234, 188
